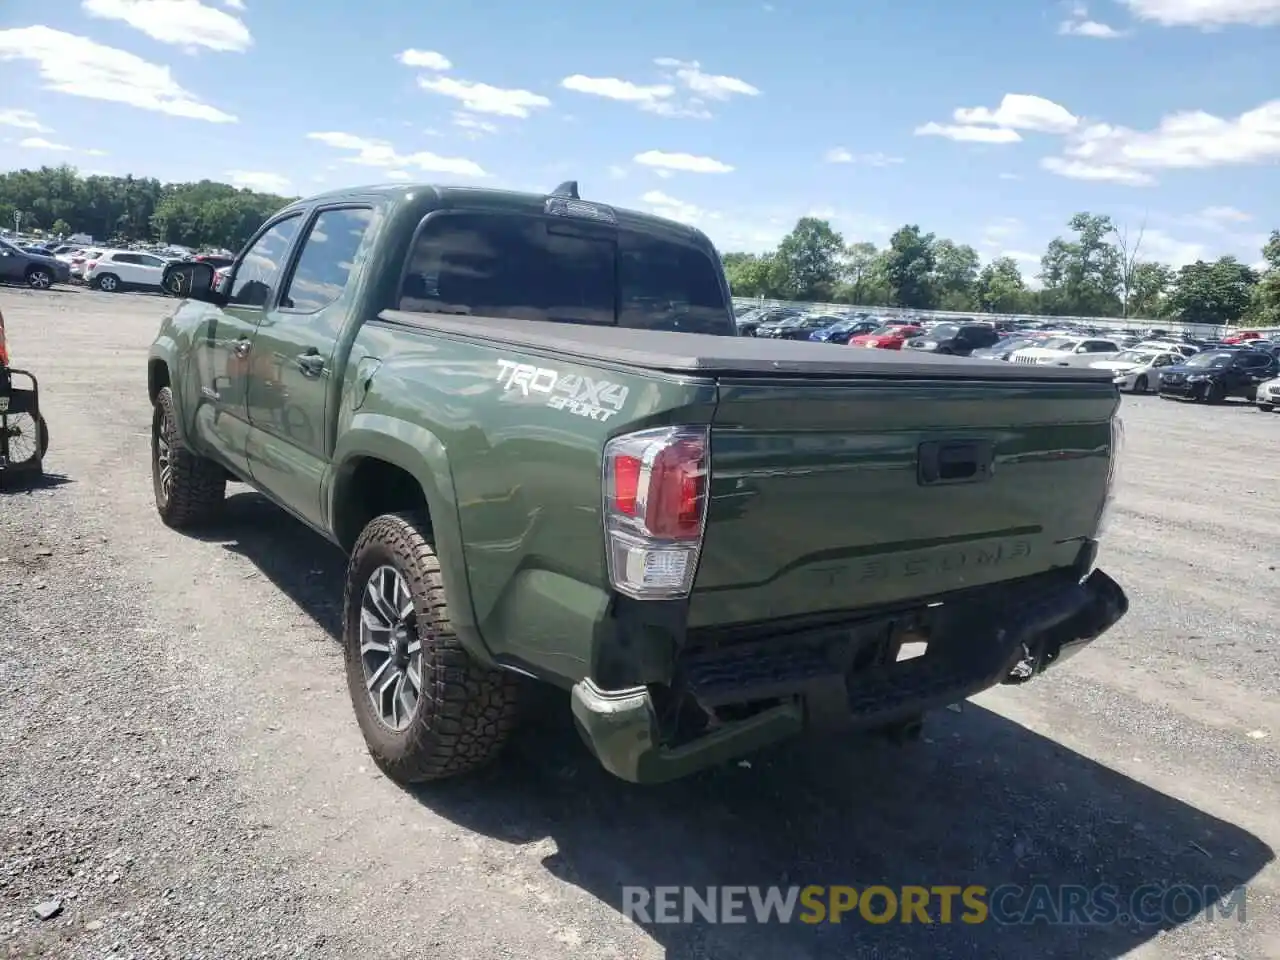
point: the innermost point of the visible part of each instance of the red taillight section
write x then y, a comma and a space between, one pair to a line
4, 350
91, 264
626, 484
677, 482
655, 508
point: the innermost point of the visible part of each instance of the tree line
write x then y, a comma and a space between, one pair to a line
1097, 270
58, 201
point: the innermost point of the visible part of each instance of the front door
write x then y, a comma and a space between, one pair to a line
223, 353
13, 264
296, 340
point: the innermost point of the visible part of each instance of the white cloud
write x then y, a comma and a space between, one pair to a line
1225, 215
78, 66
1097, 172
23, 120
379, 153
233, 4
710, 85
611, 88
95, 152
427, 59
40, 143
398, 175
474, 126
259, 181
841, 155
1159, 246
1088, 28
1187, 140
186, 23
1207, 14
685, 162
1022, 111
968, 134
673, 209
483, 98
664, 99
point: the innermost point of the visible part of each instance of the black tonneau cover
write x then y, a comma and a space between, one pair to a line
699, 354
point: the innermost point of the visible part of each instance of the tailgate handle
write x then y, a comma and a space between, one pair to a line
956, 461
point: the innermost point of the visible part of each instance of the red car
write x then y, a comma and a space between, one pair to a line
889, 337
1243, 336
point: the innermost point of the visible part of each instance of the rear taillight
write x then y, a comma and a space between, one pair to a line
655, 510
91, 264
4, 350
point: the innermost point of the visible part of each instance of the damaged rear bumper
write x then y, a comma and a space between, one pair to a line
793, 682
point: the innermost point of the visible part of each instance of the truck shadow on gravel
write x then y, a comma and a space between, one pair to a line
981, 800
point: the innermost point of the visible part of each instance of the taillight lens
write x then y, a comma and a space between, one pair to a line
655, 508
91, 264
4, 350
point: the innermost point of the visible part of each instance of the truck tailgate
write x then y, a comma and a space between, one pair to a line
832, 495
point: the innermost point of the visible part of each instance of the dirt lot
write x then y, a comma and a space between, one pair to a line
180, 768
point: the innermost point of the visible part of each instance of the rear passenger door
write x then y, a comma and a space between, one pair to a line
296, 341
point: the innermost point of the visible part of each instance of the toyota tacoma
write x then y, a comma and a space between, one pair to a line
528, 422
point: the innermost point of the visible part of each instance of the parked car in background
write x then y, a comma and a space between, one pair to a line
796, 328
78, 261
960, 339
1138, 370
1002, 348
842, 331
1179, 347
37, 270
1215, 375
889, 337
116, 270
1268, 394
1060, 350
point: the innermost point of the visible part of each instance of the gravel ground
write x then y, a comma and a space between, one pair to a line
181, 774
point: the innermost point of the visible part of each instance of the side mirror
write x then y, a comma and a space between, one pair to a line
195, 281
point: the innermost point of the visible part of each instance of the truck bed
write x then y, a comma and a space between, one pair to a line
703, 355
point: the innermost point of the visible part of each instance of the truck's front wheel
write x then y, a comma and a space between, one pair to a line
189, 488
427, 709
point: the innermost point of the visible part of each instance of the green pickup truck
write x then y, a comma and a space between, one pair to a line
529, 423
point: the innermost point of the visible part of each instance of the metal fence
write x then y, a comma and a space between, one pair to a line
1105, 323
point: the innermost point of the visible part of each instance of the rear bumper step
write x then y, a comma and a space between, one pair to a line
797, 683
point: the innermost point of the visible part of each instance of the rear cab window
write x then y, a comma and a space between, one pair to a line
523, 266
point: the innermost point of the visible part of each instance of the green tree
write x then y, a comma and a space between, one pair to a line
1001, 289
751, 274
955, 272
1149, 288
909, 265
808, 260
1216, 293
60, 228
1081, 277
861, 261
1266, 309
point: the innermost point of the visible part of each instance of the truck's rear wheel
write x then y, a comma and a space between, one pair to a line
189, 488
427, 709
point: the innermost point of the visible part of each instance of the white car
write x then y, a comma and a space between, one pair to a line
1136, 370
1066, 351
116, 270
1183, 350
1268, 395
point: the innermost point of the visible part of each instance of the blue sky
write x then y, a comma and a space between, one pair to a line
988, 122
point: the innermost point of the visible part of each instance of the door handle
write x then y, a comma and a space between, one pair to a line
242, 347
310, 363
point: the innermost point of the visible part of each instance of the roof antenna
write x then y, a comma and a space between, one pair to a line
567, 189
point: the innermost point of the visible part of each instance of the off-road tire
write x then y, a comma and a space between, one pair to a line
199, 486
466, 711
39, 278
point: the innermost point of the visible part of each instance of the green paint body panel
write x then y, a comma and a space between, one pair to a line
814, 507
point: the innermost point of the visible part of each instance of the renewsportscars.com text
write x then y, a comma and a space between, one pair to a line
1150, 905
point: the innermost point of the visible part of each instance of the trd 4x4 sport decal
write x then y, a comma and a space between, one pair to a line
583, 396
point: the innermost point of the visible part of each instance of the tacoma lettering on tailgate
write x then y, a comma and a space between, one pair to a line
583, 396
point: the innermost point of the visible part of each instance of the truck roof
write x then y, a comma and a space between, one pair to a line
425, 196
